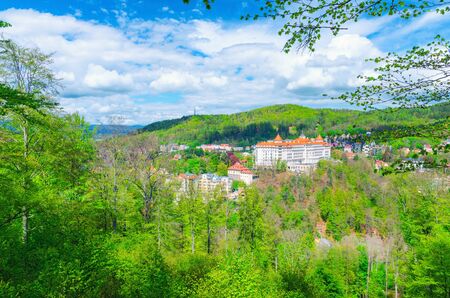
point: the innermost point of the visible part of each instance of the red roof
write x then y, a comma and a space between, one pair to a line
278, 138
238, 167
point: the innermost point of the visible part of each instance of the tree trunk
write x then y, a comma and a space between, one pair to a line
115, 190
192, 240
395, 281
369, 265
386, 272
209, 235
25, 225
226, 226
26, 212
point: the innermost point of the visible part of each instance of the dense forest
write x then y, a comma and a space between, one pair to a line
81, 217
289, 120
88, 219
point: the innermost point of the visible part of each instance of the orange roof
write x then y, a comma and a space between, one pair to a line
319, 138
278, 138
238, 167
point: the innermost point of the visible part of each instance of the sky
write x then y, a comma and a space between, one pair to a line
150, 60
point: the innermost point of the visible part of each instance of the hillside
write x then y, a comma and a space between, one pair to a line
289, 120
106, 130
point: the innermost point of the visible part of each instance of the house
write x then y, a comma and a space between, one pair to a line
404, 151
348, 148
207, 183
428, 148
241, 173
366, 149
188, 182
172, 148
379, 164
214, 147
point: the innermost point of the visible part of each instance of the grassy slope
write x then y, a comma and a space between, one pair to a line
198, 128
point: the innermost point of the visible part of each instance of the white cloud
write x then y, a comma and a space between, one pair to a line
174, 81
157, 69
98, 77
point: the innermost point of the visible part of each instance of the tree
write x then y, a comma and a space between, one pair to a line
429, 265
145, 173
418, 78
207, 3
27, 75
250, 217
304, 22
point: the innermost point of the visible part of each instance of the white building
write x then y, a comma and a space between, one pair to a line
301, 154
203, 183
241, 173
209, 182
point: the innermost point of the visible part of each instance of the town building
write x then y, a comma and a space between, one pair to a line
241, 173
428, 148
300, 155
348, 148
173, 148
379, 164
216, 147
188, 182
204, 183
404, 151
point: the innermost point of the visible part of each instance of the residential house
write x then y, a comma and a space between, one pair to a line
241, 173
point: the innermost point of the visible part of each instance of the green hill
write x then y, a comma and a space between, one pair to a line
289, 120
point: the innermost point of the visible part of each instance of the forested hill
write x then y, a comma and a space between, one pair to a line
289, 120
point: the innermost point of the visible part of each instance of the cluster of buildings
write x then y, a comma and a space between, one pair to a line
204, 183
300, 155
169, 148
208, 183
222, 148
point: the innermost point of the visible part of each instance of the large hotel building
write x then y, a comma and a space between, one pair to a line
300, 155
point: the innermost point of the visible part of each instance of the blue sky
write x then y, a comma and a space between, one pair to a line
154, 60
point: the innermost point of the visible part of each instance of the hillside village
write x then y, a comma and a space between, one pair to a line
301, 156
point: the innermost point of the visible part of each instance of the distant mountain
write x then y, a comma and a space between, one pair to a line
104, 130
289, 120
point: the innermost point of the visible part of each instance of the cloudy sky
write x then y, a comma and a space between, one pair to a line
150, 60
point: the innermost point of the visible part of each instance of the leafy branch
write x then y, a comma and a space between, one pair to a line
418, 78
305, 20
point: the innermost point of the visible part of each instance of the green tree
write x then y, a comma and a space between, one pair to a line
250, 217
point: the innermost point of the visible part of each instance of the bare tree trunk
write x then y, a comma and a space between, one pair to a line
115, 190
26, 213
369, 265
25, 225
386, 272
395, 282
192, 240
209, 235
159, 227
227, 211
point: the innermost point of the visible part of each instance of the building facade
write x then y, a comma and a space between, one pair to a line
300, 155
205, 183
209, 182
241, 173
